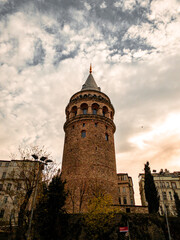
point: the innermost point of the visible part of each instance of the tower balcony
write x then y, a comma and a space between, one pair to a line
95, 117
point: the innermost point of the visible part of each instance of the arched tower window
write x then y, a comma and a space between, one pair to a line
84, 108
74, 110
111, 115
95, 108
105, 111
83, 134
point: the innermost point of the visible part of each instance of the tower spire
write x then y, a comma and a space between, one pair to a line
90, 70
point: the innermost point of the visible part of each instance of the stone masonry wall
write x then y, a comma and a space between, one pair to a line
89, 162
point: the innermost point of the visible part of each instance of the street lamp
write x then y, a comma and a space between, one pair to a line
42, 160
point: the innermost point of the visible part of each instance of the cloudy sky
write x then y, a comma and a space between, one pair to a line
134, 46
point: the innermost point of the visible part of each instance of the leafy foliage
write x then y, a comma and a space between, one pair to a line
150, 191
99, 217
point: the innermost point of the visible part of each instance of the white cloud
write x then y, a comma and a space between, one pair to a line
127, 5
118, 4
144, 93
103, 5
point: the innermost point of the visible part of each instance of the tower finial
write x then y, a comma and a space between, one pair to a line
90, 70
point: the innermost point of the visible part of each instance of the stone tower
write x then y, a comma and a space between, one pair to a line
89, 162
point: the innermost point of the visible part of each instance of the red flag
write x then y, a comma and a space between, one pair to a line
123, 229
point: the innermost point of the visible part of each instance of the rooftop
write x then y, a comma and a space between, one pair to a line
90, 83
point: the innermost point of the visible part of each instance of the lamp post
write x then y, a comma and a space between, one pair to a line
45, 161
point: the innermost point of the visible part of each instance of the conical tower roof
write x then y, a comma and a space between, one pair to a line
90, 83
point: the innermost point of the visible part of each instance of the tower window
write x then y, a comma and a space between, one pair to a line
106, 127
83, 134
106, 137
74, 110
84, 108
73, 126
83, 124
85, 111
95, 124
95, 108
94, 111
105, 111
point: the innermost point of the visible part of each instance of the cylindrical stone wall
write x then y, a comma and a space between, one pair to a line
89, 153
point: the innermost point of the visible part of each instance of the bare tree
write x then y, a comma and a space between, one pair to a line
24, 177
77, 192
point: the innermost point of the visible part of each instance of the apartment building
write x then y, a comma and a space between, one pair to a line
166, 183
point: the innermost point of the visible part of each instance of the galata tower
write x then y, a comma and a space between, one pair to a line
89, 165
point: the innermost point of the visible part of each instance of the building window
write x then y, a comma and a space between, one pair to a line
0, 164
119, 200
5, 199
170, 195
83, 134
73, 127
83, 124
95, 124
167, 209
164, 195
7, 164
15, 200
124, 189
1, 187
167, 184
19, 186
173, 185
132, 202
1, 213
106, 137
4, 175
161, 210
8, 186
128, 210
106, 127
124, 200
119, 189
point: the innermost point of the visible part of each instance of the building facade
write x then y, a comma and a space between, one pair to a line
166, 183
89, 164
16, 178
125, 189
